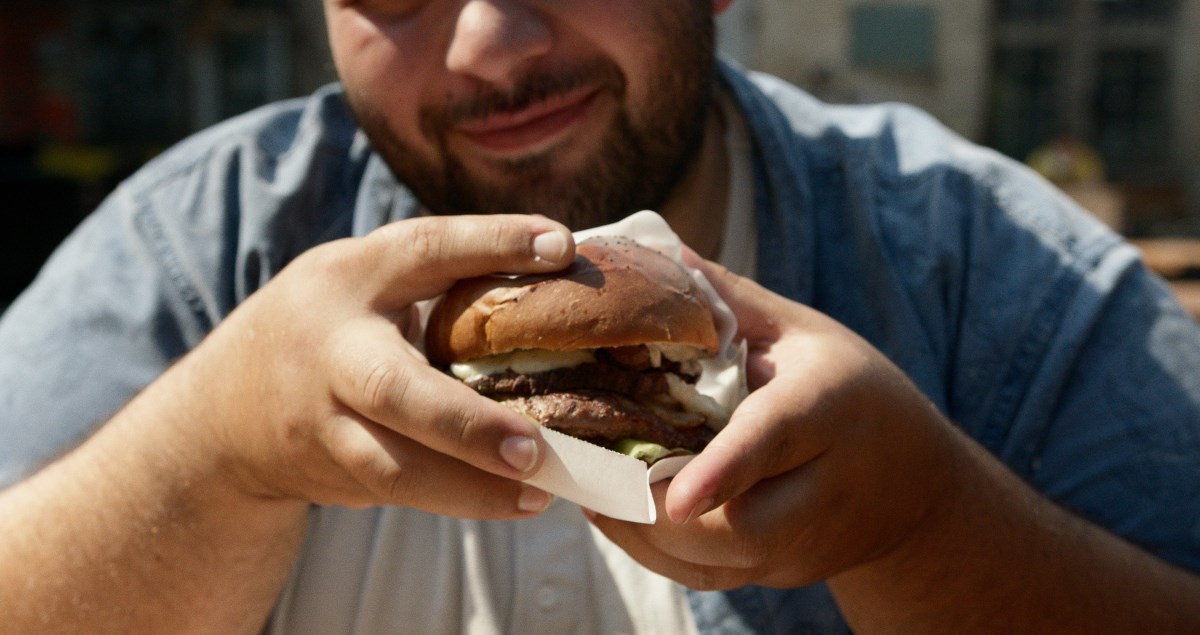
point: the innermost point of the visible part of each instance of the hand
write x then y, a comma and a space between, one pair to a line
310, 391
833, 460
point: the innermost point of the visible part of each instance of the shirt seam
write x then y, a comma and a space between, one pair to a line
1046, 322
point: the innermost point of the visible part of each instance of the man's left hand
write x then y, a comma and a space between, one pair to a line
833, 460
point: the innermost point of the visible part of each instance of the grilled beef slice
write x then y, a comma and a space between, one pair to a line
602, 417
603, 401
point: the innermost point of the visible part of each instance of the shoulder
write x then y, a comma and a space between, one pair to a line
301, 156
254, 190
271, 134
209, 220
942, 252
1031, 323
903, 137
164, 258
905, 169
893, 142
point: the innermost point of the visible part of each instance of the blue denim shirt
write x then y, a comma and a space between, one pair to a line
1029, 324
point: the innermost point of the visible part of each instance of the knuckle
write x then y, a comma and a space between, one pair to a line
782, 450
336, 258
749, 552
385, 384
424, 240
295, 440
752, 549
396, 481
513, 238
381, 474
466, 422
386, 480
501, 506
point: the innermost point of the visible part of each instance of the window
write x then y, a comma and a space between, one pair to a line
1112, 11
1094, 70
1130, 109
1030, 9
1026, 94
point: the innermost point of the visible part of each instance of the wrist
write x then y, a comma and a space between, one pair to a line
904, 584
172, 437
158, 538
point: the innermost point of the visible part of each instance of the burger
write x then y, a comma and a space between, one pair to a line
608, 350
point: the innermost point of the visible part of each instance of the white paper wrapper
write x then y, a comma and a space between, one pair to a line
613, 484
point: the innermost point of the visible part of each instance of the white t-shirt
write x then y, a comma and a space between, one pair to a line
396, 570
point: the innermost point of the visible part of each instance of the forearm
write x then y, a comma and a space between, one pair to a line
136, 532
1001, 558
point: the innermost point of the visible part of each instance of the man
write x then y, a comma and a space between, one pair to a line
961, 312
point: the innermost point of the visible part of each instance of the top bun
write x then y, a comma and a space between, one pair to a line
615, 293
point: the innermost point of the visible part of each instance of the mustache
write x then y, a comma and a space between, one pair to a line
528, 90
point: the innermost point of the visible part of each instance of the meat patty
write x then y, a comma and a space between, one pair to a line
602, 417
625, 370
595, 376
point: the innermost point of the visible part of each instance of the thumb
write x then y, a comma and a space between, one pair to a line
760, 313
770, 433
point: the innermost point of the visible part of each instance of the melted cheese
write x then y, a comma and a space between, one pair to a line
693, 400
673, 352
523, 362
529, 362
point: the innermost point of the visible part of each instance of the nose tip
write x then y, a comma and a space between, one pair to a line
493, 39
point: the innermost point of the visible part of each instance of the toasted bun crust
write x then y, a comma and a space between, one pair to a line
616, 293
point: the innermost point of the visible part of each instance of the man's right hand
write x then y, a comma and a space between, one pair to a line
186, 510
310, 391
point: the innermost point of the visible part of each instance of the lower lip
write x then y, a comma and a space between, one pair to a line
534, 135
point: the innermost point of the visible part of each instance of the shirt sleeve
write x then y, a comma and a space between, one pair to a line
1072, 362
1079, 370
110, 310
1115, 434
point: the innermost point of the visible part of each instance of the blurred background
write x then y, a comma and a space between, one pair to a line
1101, 96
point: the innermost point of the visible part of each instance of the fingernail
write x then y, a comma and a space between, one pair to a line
533, 499
550, 246
700, 509
519, 452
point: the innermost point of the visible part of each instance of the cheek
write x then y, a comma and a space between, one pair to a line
351, 36
383, 66
645, 49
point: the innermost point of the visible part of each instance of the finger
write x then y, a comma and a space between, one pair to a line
692, 576
419, 258
767, 435
393, 469
760, 313
380, 376
766, 537
690, 257
642, 543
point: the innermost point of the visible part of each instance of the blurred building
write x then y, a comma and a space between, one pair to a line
89, 89
1119, 76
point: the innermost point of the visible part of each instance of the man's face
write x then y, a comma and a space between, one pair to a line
581, 110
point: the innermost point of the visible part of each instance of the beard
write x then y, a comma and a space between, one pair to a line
644, 153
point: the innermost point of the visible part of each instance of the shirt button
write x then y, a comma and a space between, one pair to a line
547, 597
